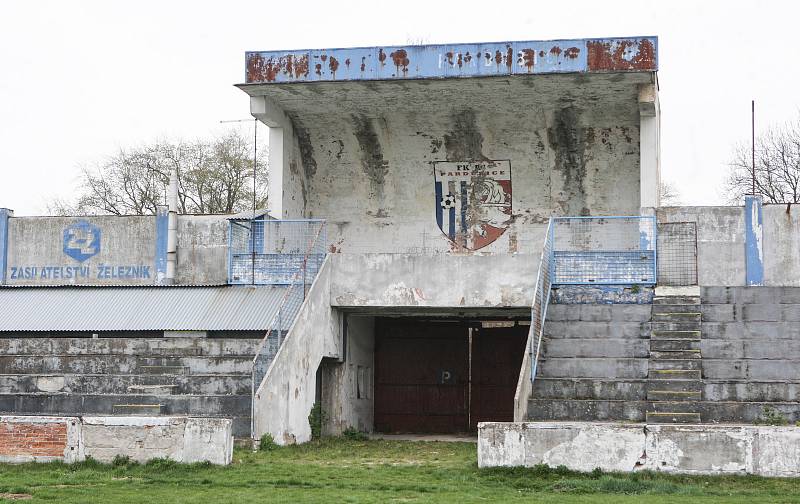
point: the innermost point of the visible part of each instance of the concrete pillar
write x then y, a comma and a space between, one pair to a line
280, 150
172, 229
649, 146
5, 213
754, 240
162, 225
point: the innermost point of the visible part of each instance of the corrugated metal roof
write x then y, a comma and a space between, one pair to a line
230, 308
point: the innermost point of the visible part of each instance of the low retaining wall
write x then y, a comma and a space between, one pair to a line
687, 449
73, 439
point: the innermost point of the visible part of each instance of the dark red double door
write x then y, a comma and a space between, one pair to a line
434, 376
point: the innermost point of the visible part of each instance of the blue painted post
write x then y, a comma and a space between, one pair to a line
162, 230
754, 240
5, 213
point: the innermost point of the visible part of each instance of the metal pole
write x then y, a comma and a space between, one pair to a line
753, 134
253, 217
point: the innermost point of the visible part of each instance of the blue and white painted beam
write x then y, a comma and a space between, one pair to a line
162, 229
5, 214
754, 240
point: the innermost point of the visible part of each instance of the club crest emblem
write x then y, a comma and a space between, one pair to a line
473, 201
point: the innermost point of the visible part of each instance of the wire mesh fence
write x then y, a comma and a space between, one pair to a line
677, 253
604, 250
271, 252
279, 328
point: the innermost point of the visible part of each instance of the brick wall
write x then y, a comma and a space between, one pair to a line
33, 439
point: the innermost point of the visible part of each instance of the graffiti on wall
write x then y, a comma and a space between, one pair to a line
473, 201
81, 242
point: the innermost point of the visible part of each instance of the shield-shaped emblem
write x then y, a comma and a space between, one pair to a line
473, 201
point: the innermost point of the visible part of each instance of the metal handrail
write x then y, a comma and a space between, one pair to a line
299, 280
541, 300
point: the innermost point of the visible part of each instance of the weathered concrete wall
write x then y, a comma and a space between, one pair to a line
348, 386
112, 250
202, 249
370, 163
72, 439
687, 449
721, 243
284, 399
403, 280
81, 251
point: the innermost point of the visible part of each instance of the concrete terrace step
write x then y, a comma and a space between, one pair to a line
676, 300
673, 345
672, 418
675, 326
120, 364
675, 354
138, 409
589, 388
674, 374
674, 395
682, 364
677, 317
195, 384
606, 410
675, 308
596, 330
130, 346
156, 390
676, 385
694, 335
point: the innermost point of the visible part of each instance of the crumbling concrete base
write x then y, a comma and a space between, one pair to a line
73, 439
686, 449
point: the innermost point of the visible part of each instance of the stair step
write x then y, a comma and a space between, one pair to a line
694, 335
674, 374
673, 345
675, 385
675, 308
674, 354
672, 417
139, 409
662, 326
679, 317
674, 395
676, 300
164, 370
675, 364
152, 389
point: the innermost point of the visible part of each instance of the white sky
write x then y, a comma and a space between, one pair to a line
78, 80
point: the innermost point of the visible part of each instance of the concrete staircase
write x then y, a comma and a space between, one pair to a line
594, 363
730, 356
674, 380
128, 376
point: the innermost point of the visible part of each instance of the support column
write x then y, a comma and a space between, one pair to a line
5, 213
649, 147
162, 221
280, 152
754, 240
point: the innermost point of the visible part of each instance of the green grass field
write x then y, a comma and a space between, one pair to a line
338, 470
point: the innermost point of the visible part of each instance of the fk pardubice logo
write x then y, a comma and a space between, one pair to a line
81, 240
473, 200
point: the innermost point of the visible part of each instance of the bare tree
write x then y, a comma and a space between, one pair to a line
669, 194
777, 167
214, 176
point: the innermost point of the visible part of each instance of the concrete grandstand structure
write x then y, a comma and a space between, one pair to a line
416, 187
